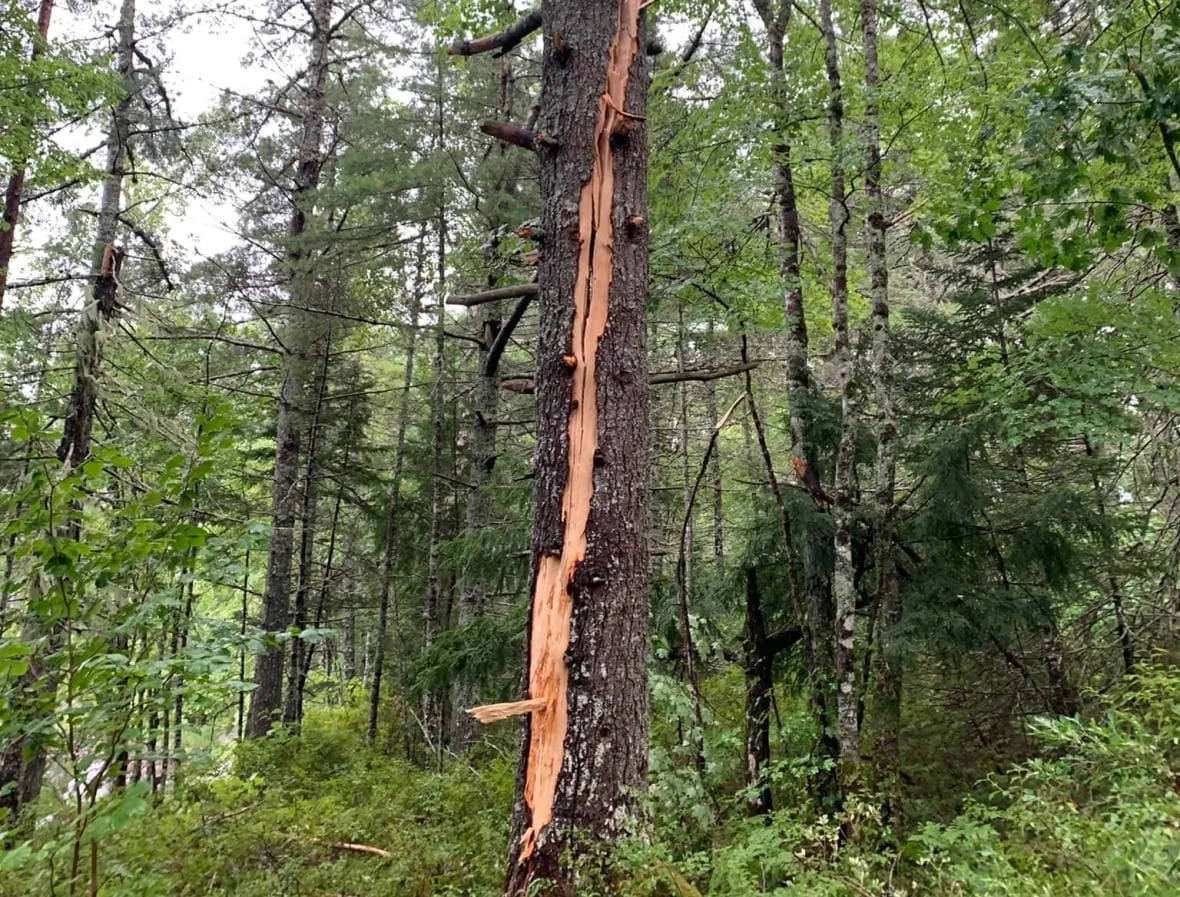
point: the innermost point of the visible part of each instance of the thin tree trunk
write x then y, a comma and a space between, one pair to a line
817, 624
473, 598
886, 685
843, 577
758, 663
266, 699
391, 517
715, 469
297, 671
16, 181
431, 705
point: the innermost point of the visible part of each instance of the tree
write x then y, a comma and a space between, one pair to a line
585, 742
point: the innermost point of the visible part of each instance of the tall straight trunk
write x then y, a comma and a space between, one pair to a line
715, 469
817, 624
326, 579
843, 584
22, 759
431, 710
296, 672
16, 181
885, 696
586, 733
392, 513
686, 474
473, 597
432, 716
266, 699
243, 620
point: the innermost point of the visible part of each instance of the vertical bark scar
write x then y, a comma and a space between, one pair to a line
552, 602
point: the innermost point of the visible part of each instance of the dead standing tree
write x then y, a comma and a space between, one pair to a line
586, 718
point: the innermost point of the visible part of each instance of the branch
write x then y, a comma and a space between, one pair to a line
215, 337
492, 362
363, 848
502, 42
508, 132
512, 292
700, 375
525, 384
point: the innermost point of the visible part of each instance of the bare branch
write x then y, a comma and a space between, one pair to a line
501, 42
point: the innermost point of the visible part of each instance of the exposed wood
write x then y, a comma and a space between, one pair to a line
513, 292
502, 41
362, 848
585, 753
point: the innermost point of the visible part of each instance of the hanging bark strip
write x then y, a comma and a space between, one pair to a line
552, 602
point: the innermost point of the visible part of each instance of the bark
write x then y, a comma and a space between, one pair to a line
817, 624
758, 664
297, 670
843, 575
585, 745
886, 686
16, 181
23, 759
715, 471
266, 699
432, 715
392, 512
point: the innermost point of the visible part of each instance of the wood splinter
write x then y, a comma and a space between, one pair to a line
493, 713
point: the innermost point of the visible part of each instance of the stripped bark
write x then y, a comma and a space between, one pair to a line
585, 746
266, 699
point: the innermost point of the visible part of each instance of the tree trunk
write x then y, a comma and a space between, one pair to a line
432, 717
473, 598
392, 512
16, 181
297, 672
758, 663
586, 734
23, 759
843, 575
818, 623
266, 699
885, 697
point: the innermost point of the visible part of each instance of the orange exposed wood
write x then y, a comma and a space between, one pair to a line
552, 604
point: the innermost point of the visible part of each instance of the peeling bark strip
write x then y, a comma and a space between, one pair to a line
552, 603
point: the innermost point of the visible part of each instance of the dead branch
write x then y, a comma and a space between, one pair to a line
362, 848
512, 292
526, 384
501, 42
512, 133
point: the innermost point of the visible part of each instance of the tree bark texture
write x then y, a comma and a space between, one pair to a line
758, 663
266, 699
885, 698
586, 732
